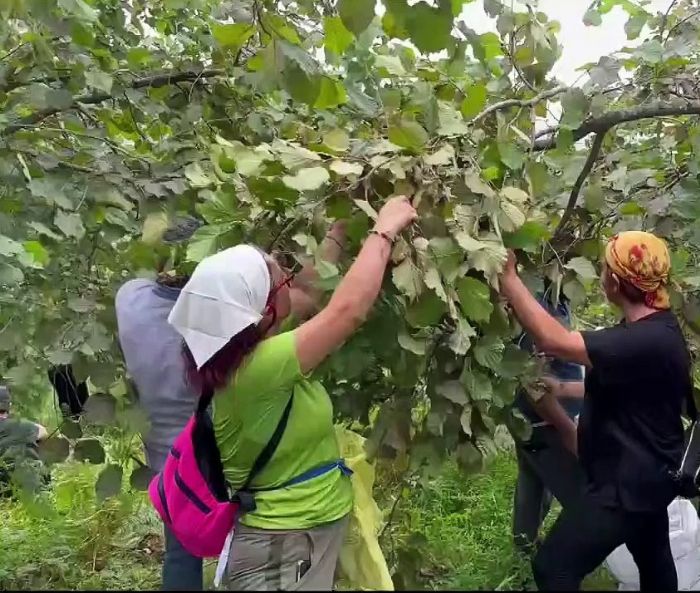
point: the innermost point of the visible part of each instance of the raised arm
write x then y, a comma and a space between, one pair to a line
548, 334
304, 295
357, 291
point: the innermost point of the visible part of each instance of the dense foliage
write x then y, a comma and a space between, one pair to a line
269, 119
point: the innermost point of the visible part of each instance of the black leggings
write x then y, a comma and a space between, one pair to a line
583, 537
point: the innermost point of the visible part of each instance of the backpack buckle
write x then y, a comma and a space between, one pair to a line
247, 501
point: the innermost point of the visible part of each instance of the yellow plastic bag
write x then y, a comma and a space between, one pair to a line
361, 564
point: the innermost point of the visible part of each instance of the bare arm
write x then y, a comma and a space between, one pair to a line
550, 410
41, 432
549, 335
357, 291
304, 295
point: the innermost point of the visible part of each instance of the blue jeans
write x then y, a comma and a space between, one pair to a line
181, 570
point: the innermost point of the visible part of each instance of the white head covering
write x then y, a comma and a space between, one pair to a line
226, 293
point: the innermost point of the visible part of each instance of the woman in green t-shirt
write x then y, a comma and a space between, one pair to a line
230, 314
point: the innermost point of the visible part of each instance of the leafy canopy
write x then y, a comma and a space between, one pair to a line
268, 120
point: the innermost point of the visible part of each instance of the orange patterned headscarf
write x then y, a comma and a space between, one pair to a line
643, 260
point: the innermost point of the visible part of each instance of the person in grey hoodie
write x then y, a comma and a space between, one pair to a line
152, 350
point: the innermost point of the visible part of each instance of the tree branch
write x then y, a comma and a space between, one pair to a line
576, 189
609, 120
520, 102
156, 81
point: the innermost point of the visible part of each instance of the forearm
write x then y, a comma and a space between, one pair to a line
360, 287
549, 335
570, 389
550, 410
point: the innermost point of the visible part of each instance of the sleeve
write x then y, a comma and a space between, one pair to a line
616, 350
273, 366
24, 431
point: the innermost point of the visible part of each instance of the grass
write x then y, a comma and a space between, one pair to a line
464, 526
453, 534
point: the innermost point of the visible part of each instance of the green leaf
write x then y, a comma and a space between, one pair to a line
475, 299
10, 275
430, 28
141, 478
477, 384
53, 190
474, 101
392, 64
408, 134
465, 420
90, 450
528, 237
344, 169
454, 391
408, 342
55, 449
426, 311
9, 247
71, 429
100, 409
488, 351
196, 176
42, 229
511, 156
583, 268
443, 156
592, 18
307, 179
451, 122
356, 15
232, 34
460, 339
407, 278
575, 105
331, 93
70, 224
635, 24
337, 140
510, 217
99, 80
109, 482
489, 259
155, 224
476, 185
337, 37
79, 9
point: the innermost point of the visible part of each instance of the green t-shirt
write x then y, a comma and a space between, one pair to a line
245, 416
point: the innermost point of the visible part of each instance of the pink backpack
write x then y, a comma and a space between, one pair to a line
191, 494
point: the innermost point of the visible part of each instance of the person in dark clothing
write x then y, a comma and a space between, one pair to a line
546, 467
70, 394
18, 444
630, 432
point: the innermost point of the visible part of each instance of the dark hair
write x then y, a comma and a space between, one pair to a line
217, 371
172, 281
631, 293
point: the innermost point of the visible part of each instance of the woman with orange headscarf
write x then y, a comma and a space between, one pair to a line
630, 433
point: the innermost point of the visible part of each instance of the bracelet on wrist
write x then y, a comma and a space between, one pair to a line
332, 238
383, 235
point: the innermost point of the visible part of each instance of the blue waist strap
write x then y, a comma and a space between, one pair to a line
319, 471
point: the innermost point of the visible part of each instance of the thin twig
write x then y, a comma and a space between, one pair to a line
505, 104
576, 189
156, 81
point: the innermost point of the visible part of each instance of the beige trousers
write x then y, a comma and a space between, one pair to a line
269, 560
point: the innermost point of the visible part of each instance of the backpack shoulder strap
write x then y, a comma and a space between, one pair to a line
271, 446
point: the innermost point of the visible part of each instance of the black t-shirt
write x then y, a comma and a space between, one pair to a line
630, 433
